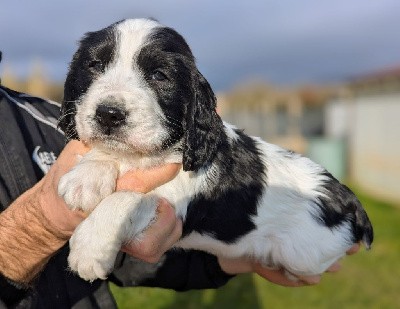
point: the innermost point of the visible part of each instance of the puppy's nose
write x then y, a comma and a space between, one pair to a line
110, 117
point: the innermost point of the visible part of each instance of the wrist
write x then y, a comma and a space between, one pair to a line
27, 239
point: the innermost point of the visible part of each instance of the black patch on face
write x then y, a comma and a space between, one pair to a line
95, 52
340, 205
184, 95
225, 211
166, 63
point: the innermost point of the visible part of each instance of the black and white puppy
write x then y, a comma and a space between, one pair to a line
134, 94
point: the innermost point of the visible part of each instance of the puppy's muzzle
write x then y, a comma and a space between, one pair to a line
110, 118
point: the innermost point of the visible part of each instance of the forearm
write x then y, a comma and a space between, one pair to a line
27, 238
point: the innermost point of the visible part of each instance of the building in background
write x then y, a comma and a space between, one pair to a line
366, 115
287, 117
292, 118
353, 130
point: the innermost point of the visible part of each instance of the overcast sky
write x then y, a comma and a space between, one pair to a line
283, 42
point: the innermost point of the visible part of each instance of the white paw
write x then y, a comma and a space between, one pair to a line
87, 184
91, 255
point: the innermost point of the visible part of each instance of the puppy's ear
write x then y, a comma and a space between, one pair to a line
203, 127
66, 121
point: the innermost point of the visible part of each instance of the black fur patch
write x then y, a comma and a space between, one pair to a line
204, 133
341, 204
168, 53
225, 210
185, 97
95, 52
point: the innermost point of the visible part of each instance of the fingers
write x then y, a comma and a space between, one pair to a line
146, 180
279, 276
51, 204
354, 249
334, 267
276, 276
67, 159
141, 180
73, 149
159, 237
236, 266
77, 147
309, 280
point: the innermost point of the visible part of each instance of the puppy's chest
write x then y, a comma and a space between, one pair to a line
127, 163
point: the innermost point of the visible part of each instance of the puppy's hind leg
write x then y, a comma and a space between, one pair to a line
97, 240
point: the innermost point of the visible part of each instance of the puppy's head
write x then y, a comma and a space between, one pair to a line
134, 87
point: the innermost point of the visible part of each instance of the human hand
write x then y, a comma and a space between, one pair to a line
41, 217
158, 237
61, 218
276, 276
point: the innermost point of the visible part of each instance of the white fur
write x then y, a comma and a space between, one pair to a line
286, 234
126, 86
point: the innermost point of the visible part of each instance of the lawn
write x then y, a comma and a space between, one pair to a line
367, 280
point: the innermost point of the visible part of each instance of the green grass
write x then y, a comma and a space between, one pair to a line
367, 280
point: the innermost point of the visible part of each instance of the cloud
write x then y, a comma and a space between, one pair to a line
283, 42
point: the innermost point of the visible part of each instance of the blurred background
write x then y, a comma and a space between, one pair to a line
321, 78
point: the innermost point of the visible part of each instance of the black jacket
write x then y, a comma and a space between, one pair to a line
29, 143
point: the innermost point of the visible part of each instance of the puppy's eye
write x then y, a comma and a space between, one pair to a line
96, 65
158, 76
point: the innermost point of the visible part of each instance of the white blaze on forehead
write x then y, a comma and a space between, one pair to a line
123, 83
131, 35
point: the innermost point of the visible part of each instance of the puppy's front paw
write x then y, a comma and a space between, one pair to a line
87, 184
92, 256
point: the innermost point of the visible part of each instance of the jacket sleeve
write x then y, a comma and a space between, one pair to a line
180, 270
10, 292
17, 170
